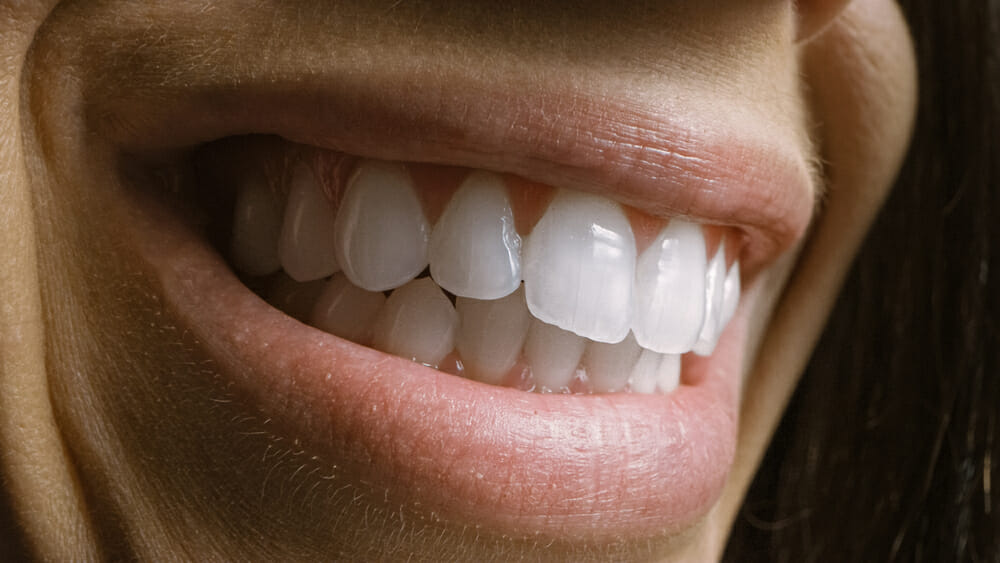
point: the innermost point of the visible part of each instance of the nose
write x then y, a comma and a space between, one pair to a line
815, 15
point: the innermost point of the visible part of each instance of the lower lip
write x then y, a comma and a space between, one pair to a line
595, 467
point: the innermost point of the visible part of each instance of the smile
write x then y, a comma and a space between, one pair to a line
601, 308
386, 296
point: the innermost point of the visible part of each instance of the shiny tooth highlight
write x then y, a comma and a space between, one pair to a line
579, 263
345, 310
417, 322
553, 354
256, 228
609, 365
474, 249
491, 335
381, 233
715, 278
305, 245
645, 374
731, 293
670, 289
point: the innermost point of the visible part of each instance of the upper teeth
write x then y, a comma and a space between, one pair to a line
475, 250
381, 233
579, 267
308, 221
596, 301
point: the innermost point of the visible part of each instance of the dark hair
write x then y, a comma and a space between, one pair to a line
889, 450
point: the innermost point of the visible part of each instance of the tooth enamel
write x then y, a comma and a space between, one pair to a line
491, 335
256, 228
553, 354
670, 289
417, 322
346, 310
730, 294
669, 375
645, 374
293, 298
381, 231
307, 231
474, 249
579, 264
609, 365
715, 277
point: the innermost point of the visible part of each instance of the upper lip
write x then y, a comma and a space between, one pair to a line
666, 161
599, 467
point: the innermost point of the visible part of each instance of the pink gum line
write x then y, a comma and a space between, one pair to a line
436, 184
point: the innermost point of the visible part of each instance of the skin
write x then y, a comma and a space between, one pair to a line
102, 398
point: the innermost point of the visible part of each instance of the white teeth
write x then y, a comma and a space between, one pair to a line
474, 250
670, 290
714, 281
491, 335
346, 310
307, 232
579, 264
256, 228
417, 322
731, 293
553, 355
609, 365
588, 301
381, 231
645, 374
669, 375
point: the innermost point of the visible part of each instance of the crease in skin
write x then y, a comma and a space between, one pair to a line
881, 115
33, 460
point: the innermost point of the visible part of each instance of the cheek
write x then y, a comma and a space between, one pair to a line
861, 75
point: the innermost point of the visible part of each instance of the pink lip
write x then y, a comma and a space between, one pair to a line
602, 467
666, 161
597, 467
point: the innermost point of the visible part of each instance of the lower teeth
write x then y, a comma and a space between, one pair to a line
496, 342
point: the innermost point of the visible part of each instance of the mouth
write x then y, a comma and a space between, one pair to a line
485, 328
428, 263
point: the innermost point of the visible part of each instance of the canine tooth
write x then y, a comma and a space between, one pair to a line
417, 322
381, 231
256, 228
474, 249
553, 354
346, 310
645, 374
715, 277
669, 376
579, 264
609, 365
730, 294
670, 289
492, 334
307, 231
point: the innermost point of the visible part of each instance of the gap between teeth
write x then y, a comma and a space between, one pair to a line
591, 315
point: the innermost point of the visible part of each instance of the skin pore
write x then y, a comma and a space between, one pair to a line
121, 437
